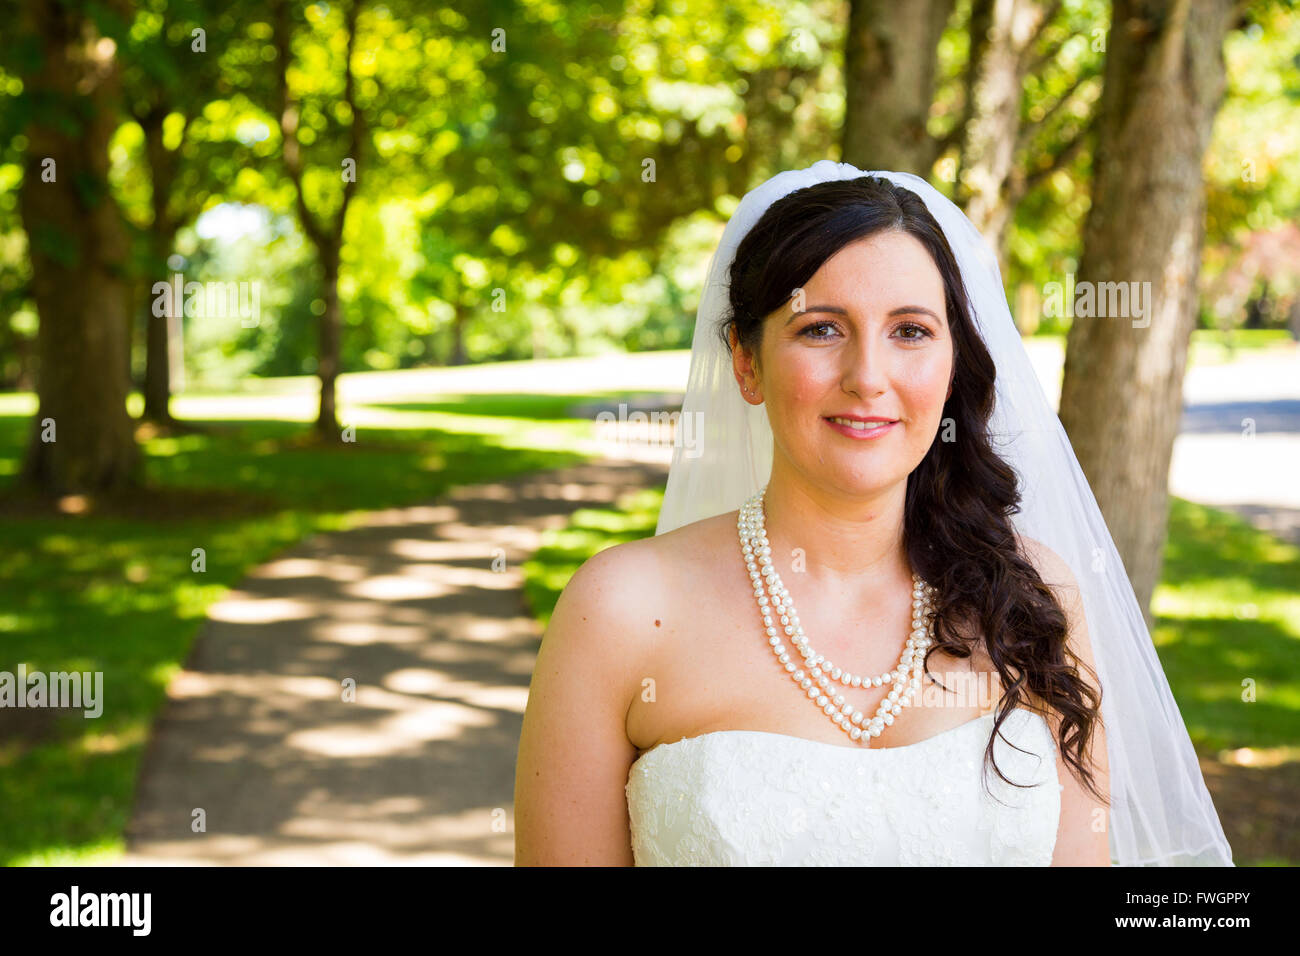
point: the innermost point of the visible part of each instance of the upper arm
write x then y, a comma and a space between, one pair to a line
1082, 835
574, 755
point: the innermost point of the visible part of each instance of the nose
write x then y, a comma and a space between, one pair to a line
865, 369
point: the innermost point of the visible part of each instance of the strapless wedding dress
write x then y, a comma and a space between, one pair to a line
752, 798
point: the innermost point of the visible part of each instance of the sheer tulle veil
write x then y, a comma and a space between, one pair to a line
1161, 813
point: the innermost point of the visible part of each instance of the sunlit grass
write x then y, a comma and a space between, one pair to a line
1228, 625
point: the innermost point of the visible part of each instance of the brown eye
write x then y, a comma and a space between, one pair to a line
924, 332
807, 329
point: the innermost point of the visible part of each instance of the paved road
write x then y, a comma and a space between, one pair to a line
1238, 447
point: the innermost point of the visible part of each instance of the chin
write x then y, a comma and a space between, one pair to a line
851, 482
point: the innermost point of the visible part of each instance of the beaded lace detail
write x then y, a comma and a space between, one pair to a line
751, 798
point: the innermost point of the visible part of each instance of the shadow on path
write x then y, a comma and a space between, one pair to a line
257, 741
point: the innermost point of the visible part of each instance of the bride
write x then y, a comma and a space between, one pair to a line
882, 620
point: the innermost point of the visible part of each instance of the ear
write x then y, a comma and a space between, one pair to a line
744, 368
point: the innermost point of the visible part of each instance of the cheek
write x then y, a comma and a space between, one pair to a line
803, 380
925, 381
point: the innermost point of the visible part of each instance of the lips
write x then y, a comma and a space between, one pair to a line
860, 429
859, 424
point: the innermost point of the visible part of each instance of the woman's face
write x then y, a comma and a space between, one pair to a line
872, 341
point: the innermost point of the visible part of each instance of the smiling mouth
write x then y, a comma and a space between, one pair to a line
860, 425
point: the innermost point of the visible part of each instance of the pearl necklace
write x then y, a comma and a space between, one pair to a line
817, 682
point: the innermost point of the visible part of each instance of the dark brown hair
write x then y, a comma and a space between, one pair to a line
957, 529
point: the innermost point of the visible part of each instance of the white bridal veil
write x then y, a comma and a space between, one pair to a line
1161, 813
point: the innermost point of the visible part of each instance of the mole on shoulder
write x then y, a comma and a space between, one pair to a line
656, 622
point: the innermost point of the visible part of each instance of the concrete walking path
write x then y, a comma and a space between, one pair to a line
257, 742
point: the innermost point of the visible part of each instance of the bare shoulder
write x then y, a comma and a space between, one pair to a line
625, 591
607, 580
1057, 574
636, 567
574, 751
600, 611
1051, 567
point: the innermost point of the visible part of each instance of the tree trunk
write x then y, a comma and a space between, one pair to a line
133, 288
326, 236
458, 322
890, 56
331, 325
157, 367
162, 236
78, 252
996, 90
1121, 400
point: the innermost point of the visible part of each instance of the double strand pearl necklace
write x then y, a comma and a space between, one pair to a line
818, 682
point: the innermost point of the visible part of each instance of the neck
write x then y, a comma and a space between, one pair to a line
853, 543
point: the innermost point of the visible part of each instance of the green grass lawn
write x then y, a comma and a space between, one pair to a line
1227, 622
113, 590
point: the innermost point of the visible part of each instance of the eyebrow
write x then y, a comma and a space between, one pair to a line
900, 310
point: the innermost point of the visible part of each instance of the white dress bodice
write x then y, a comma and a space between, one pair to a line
752, 798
